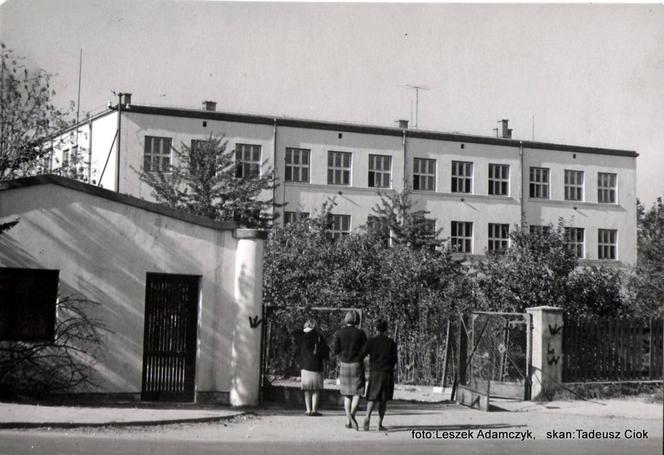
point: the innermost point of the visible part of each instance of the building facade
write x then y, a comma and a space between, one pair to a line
173, 291
475, 188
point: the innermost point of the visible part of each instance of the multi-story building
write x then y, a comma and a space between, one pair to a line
476, 188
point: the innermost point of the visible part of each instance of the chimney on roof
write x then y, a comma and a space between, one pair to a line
125, 99
210, 105
506, 133
403, 124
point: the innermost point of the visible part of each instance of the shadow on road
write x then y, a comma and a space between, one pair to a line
492, 426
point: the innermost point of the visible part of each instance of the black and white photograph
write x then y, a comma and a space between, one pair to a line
244, 227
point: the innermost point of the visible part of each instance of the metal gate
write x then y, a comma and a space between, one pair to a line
494, 358
169, 347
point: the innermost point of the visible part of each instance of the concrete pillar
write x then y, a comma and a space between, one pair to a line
547, 349
246, 347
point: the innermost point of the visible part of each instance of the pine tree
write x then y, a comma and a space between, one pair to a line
396, 217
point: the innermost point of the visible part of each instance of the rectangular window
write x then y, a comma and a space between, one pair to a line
27, 304
248, 160
380, 171
157, 154
499, 237
377, 228
339, 225
573, 185
539, 183
65, 158
291, 217
606, 244
297, 165
606, 187
534, 229
424, 174
338, 168
574, 238
499, 178
462, 236
462, 177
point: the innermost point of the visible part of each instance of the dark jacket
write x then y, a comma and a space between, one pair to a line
312, 350
348, 343
382, 352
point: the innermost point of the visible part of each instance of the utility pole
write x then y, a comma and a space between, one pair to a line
78, 97
417, 89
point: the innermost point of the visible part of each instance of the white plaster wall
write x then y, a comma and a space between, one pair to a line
103, 132
103, 250
588, 214
181, 130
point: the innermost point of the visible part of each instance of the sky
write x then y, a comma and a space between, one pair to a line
581, 74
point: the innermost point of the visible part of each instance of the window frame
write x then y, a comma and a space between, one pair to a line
299, 168
493, 240
497, 181
539, 229
420, 175
336, 224
379, 174
605, 245
335, 170
461, 237
603, 190
159, 156
291, 217
574, 185
247, 168
541, 185
15, 303
462, 177
575, 239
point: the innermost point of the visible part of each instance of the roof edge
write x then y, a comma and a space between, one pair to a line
368, 129
117, 197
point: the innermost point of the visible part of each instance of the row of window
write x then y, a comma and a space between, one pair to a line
539, 183
157, 158
461, 235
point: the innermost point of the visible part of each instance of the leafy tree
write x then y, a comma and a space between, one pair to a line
204, 181
596, 291
28, 117
396, 216
646, 283
539, 269
415, 288
533, 271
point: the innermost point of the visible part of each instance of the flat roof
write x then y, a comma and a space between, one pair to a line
367, 129
117, 197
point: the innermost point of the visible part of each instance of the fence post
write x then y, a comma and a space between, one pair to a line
547, 349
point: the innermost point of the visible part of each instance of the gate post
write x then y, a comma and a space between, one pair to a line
246, 345
547, 349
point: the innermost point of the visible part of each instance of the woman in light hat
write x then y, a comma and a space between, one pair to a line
313, 350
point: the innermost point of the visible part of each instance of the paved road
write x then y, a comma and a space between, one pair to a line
23, 443
276, 431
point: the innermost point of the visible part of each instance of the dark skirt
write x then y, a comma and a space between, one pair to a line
381, 386
351, 377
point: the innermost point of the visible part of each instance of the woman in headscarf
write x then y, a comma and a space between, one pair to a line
348, 343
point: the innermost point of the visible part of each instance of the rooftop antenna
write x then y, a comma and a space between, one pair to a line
417, 89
